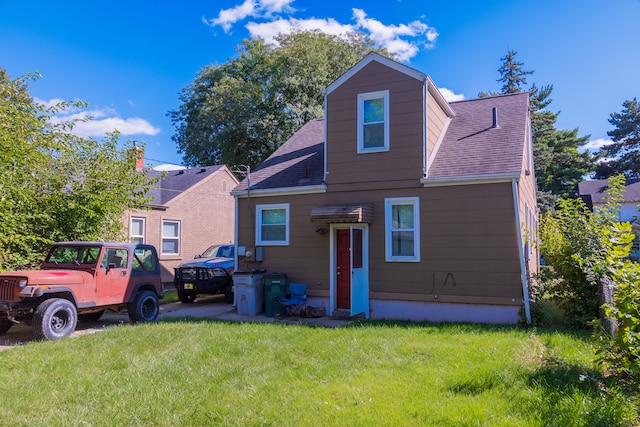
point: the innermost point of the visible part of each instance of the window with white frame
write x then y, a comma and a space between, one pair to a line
402, 229
136, 234
373, 122
272, 224
170, 237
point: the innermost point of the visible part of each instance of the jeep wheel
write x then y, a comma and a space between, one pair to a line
5, 325
54, 319
144, 308
90, 317
186, 298
228, 293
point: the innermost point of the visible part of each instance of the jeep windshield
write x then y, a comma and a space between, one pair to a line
79, 255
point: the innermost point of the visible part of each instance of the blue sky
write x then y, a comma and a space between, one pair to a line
130, 59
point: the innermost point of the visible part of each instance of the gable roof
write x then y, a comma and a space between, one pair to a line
176, 182
596, 190
299, 162
472, 146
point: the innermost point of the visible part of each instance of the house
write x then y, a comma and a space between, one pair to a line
399, 204
593, 193
190, 210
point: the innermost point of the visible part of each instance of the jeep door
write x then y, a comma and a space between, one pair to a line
112, 277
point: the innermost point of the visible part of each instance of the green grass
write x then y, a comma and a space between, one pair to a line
191, 372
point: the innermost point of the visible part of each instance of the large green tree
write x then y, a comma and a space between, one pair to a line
55, 185
624, 153
559, 164
239, 112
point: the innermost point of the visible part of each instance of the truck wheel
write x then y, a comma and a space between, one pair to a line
90, 317
186, 298
228, 293
144, 308
55, 318
5, 325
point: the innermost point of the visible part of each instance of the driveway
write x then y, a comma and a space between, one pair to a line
212, 307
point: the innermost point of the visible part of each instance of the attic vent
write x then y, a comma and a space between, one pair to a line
495, 118
203, 170
181, 171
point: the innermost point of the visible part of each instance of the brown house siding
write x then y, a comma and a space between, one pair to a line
405, 124
436, 122
467, 239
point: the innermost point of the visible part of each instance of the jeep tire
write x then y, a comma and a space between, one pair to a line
55, 318
5, 325
186, 298
144, 308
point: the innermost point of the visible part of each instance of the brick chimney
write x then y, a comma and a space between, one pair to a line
139, 156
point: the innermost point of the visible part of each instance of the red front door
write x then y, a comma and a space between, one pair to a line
343, 268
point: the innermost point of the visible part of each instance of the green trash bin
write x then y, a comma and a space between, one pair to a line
275, 290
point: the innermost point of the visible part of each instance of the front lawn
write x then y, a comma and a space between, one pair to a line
192, 372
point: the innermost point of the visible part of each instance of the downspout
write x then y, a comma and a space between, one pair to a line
523, 269
235, 239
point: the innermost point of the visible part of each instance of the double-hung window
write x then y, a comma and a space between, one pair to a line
373, 122
170, 237
272, 224
137, 230
402, 229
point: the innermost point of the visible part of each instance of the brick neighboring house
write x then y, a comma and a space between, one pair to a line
399, 204
191, 210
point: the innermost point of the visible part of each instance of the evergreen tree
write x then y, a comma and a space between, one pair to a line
624, 152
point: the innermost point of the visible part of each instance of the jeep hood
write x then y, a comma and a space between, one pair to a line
53, 277
218, 262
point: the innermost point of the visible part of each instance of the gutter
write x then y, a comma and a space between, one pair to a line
284, 191
470, 179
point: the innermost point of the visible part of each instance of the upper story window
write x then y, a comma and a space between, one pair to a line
170, 237
373, 122
402, 229
272, 224
137, 230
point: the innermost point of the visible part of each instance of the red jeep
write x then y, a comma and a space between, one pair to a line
79, 281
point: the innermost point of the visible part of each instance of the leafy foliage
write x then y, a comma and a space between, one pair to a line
624, 152
583, 248
54, 185
239, 112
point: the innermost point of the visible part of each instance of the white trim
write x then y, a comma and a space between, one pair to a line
172, 238
469, 180
373, 56
523, 269
425, 128
144, 229
326, 133
362, 97
284, 191
388, 228
236, 265
287, 224
439, 98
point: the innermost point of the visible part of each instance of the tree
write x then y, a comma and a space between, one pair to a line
55, 185
239, 112
558, 163
624, 152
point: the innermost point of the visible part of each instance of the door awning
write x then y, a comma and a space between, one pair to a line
327, 214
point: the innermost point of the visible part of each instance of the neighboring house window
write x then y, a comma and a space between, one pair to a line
373, 122
137, 230
402, 229
272, 224
170, 237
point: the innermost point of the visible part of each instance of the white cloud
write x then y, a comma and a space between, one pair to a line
272, 17
450, 95
97, 122
250, 8
269, 30
595, 145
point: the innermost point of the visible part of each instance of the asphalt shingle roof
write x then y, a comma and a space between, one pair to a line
177, 181
473, 147
597, 190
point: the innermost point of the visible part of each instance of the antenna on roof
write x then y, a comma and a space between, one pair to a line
495, 118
